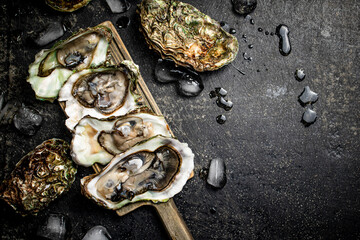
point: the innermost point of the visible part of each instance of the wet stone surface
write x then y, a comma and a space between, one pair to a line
284, 180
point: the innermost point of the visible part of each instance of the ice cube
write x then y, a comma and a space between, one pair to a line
97, 233
189, 86
165, 71
27, 120
51, 32
118, 6
217, 173
54, 227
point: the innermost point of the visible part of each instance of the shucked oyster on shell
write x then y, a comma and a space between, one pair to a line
155, 170
179, 31
52, 67
98, 140
39, 177
100, 92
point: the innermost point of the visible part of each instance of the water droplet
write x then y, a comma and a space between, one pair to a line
260, 29
284, 44
212, 210
272, 34
232, 31
309, 116
220, 91
300, 74
244, 36
217, 173
251, 46
246, 57
252, 21
221, 119
212, 94
123, 22
225, 104
266, 32
118, 6
244, 7
225, 26
308, 96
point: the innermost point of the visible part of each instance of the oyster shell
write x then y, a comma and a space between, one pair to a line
52, 67
100, 92
179, 31
66, 5
39, 177
98, 140
155, 170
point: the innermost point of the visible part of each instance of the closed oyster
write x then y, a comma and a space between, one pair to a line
155, 170
179, 31
98, 140
100, 92
39, 177
52, 67
66, 5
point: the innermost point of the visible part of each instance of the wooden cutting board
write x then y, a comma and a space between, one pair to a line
167, 211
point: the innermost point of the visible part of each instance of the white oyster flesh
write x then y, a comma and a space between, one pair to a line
98, 140
52, 67
155, 170
99, 93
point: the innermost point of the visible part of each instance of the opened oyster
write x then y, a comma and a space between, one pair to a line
52, 67
155, 170
100, 92
98, 140
66, 5
182, 33
39, 177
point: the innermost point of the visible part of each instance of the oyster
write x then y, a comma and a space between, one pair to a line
179, 31
66, 5
98, 140
155, 170
52, 67
100, 92
39, 177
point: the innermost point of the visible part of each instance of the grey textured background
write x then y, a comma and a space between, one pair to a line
285, 181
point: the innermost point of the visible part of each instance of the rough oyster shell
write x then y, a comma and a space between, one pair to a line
39, 177
155, 170
52, 67
182, 33
98, 140
66, 5
100, 92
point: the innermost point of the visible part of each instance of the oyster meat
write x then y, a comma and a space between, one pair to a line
98, 140
155, 169
52, 67
66, 5
39, 177
100, 92
179, 31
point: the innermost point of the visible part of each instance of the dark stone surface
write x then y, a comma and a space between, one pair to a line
284, 181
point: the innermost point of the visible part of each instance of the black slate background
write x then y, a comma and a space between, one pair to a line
285, 181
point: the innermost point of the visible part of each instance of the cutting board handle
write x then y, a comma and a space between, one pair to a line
173, 221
